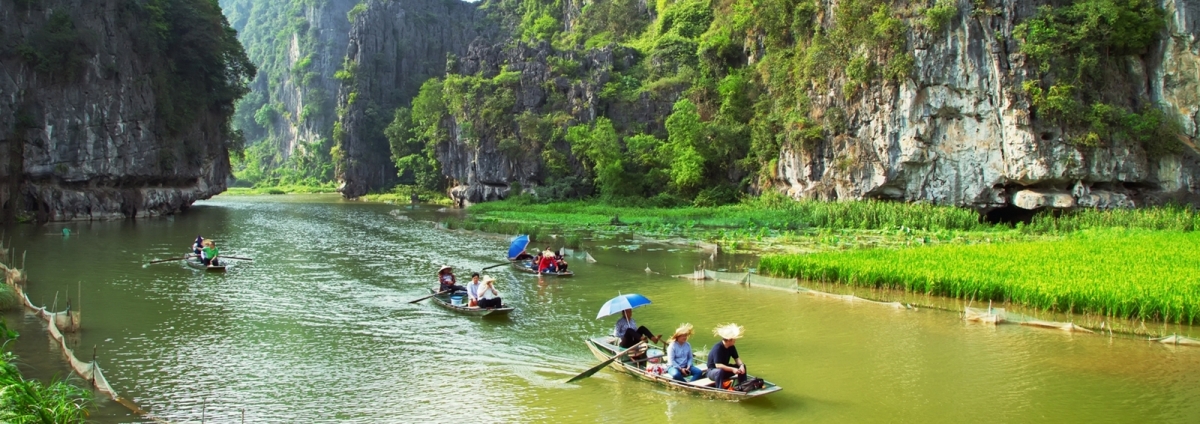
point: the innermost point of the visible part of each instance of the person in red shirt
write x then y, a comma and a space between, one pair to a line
546, 263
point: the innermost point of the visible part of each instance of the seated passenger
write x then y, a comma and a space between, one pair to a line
720, 369
679, 356
489, 297
198, 245
208, 255
473, 289
546, 263
560, 263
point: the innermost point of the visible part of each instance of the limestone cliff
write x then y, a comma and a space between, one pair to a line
298, 46
394, 46
96, 123
960, 130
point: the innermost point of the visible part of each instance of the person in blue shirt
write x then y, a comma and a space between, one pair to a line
679, 356
720, 367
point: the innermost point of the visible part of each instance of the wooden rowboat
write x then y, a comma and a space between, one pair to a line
443, 300
606, 347
524, 266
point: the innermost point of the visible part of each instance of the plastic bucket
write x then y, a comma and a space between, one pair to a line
456, 300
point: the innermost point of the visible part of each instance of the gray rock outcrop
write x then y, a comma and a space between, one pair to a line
88, 141
959, 131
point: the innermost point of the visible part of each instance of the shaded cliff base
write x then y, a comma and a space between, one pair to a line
49, 201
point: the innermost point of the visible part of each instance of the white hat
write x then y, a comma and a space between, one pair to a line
443, 268
487, 279
729, 331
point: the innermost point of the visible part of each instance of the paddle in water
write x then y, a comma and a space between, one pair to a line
596, 368
426, 297
164, 260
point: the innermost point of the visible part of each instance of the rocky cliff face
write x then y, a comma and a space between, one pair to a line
83, 131
394, 46
960, 130
303, 86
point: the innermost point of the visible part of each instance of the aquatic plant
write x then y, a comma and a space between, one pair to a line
29, 401
1121, 273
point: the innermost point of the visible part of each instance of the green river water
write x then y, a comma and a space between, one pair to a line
318, 329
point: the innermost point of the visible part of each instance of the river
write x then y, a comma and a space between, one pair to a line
317, 328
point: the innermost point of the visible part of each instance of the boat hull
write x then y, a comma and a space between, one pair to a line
604, 348
195, 263
524, 267
444, 302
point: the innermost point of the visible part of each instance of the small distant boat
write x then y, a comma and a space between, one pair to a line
444, 301
606, 347
195, 262
527, 267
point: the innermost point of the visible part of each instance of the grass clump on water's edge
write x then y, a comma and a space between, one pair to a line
402, 194
1122, 273
30, 401
283, 189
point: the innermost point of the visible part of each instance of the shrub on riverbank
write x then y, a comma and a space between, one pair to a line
8, 298
29, 401
1127, 274
282, 189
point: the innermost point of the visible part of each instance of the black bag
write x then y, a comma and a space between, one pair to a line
750, 385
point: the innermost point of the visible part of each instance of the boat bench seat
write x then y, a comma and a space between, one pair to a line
703, 382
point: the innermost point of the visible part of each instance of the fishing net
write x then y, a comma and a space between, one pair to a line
992, 315
751, 279
58, 323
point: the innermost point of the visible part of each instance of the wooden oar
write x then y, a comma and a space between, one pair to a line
493, 266
167, 260
426, 297
234, 257
596, 368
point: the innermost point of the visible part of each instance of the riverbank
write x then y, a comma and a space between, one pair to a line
1076, 262
1132, 274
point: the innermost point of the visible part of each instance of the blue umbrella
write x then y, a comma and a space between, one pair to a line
517, 246
621, 303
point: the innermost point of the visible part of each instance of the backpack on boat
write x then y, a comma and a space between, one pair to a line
750, 385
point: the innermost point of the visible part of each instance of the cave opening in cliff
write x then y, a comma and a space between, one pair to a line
1010, 215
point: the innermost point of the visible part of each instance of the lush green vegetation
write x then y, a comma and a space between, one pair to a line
1090, 272
1071, 45
329, 187
402, 194
30, 401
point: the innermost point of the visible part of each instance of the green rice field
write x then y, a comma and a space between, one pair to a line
1138, 274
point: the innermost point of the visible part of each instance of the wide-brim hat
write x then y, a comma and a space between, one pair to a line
683, 330
443, 268
729, 331
548, 252
487, 279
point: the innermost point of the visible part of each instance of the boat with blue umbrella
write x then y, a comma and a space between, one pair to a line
524, 262
639, 361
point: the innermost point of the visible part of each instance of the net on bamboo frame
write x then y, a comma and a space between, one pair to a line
990, 315
755, 280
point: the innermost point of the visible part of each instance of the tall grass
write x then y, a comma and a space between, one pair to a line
1170, 217
1123, 273
30, 401
8, 298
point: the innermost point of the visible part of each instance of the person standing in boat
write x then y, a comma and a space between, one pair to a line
679, 356
720, 369
630, 333
208, 255
489, 297
448, 283
473, 289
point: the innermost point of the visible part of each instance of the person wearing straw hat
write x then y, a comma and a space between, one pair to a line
208, 255
720, 369
679, 356
447, 280
546, 263
489, 297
